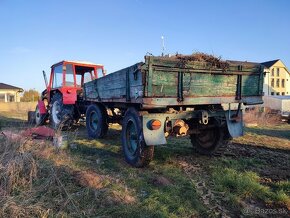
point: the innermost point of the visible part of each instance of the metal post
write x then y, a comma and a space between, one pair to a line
269, 84
163, 47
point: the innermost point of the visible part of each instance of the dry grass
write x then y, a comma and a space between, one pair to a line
18, 168
264, 141
39, 180
277, 136
89, 178
258, 118
18, 115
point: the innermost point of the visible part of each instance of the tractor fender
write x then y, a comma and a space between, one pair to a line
41, 106
69, 95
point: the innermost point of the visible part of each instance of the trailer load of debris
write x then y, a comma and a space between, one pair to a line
212, 60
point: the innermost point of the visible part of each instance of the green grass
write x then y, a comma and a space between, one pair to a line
179, 199
238, 183
283, 185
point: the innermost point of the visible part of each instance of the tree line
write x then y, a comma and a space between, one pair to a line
30, 95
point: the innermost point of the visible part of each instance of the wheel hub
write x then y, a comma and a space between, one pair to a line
94, 120
207, 138
37, 115
56, 112
132, 137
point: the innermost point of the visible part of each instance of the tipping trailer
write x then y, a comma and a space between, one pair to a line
173, 96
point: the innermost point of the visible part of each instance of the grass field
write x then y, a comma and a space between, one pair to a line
13, 116
92, 179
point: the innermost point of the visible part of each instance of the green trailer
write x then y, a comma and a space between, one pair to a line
173, 96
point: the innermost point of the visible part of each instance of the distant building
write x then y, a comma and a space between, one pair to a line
9, 93
276, 78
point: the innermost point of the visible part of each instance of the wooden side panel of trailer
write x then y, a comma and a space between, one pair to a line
123, 85
160, 82
202, 80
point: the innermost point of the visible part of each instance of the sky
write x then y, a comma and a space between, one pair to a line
35, 34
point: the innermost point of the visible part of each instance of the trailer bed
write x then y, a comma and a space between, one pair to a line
160, 82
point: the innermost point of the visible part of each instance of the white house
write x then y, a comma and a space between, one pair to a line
9, 93
276, 78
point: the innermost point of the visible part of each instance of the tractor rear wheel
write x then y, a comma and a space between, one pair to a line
60, 115
136, 152
96, 121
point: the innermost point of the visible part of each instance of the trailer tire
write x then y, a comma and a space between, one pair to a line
210, 141
135, 150
60, 115
96, 121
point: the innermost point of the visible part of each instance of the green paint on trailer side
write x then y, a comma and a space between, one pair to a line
202, 79
250, 85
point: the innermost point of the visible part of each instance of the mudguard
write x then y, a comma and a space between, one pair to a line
153, 137
41, 107
235, 123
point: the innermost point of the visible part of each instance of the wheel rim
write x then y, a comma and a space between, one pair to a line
94, 120
37, 115
131, 137
56, 109
207, 138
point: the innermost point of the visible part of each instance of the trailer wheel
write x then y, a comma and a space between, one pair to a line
60, 115
210, 141
96, 121
136, 152
39, 118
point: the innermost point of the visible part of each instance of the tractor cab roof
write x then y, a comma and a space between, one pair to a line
79, 63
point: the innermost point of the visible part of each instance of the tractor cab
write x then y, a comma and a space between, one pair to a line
68, 78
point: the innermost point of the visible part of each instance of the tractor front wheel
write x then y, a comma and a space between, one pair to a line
60, 115
40, 119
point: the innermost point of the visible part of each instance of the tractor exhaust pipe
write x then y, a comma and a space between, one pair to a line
45, 78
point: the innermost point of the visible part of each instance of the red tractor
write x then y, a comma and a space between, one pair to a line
62, 101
